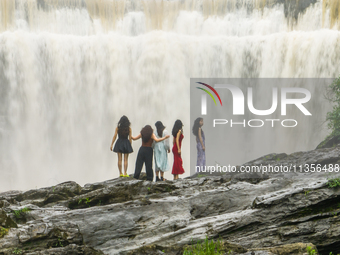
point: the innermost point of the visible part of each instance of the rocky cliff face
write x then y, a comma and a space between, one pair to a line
252, 213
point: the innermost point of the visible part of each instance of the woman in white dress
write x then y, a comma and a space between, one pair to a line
160, 151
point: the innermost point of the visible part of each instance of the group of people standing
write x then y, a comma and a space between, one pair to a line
155, 143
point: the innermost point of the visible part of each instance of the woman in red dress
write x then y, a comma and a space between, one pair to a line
177, 133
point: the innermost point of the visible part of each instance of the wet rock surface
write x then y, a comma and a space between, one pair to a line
251, 213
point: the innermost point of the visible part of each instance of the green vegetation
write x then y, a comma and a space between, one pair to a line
3, 232
200, 175
149, 188
17, 251
206, 248
21, 212
310, 251
307, 192
85, 201
333, 117
333, 183
59, 243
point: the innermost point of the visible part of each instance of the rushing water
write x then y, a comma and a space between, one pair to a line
70, 68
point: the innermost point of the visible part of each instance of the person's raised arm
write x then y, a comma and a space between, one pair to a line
200, 138
159, 139
177, 141
130, 135
136, 137
114, 138
166, 142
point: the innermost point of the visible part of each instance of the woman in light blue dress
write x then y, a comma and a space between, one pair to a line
160, 151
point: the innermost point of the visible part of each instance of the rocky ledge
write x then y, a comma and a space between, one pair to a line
250, 213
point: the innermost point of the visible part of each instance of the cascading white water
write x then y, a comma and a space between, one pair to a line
69, 69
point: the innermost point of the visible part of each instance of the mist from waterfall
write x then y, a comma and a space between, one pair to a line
69, 69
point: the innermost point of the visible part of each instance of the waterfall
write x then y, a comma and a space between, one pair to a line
69, 69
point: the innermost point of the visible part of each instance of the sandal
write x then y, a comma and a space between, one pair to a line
126, 175
121, 175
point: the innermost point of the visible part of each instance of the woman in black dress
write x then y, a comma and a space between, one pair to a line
145, 151
123, 144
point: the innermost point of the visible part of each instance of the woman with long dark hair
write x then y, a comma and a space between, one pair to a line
160, 151
123, 144
200, 140
177, 133
145, 151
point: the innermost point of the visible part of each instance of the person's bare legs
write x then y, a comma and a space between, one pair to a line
126, 157
157, 173
120, 162
162, 175
175, 176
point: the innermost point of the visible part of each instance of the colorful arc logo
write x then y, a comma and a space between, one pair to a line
212, 89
